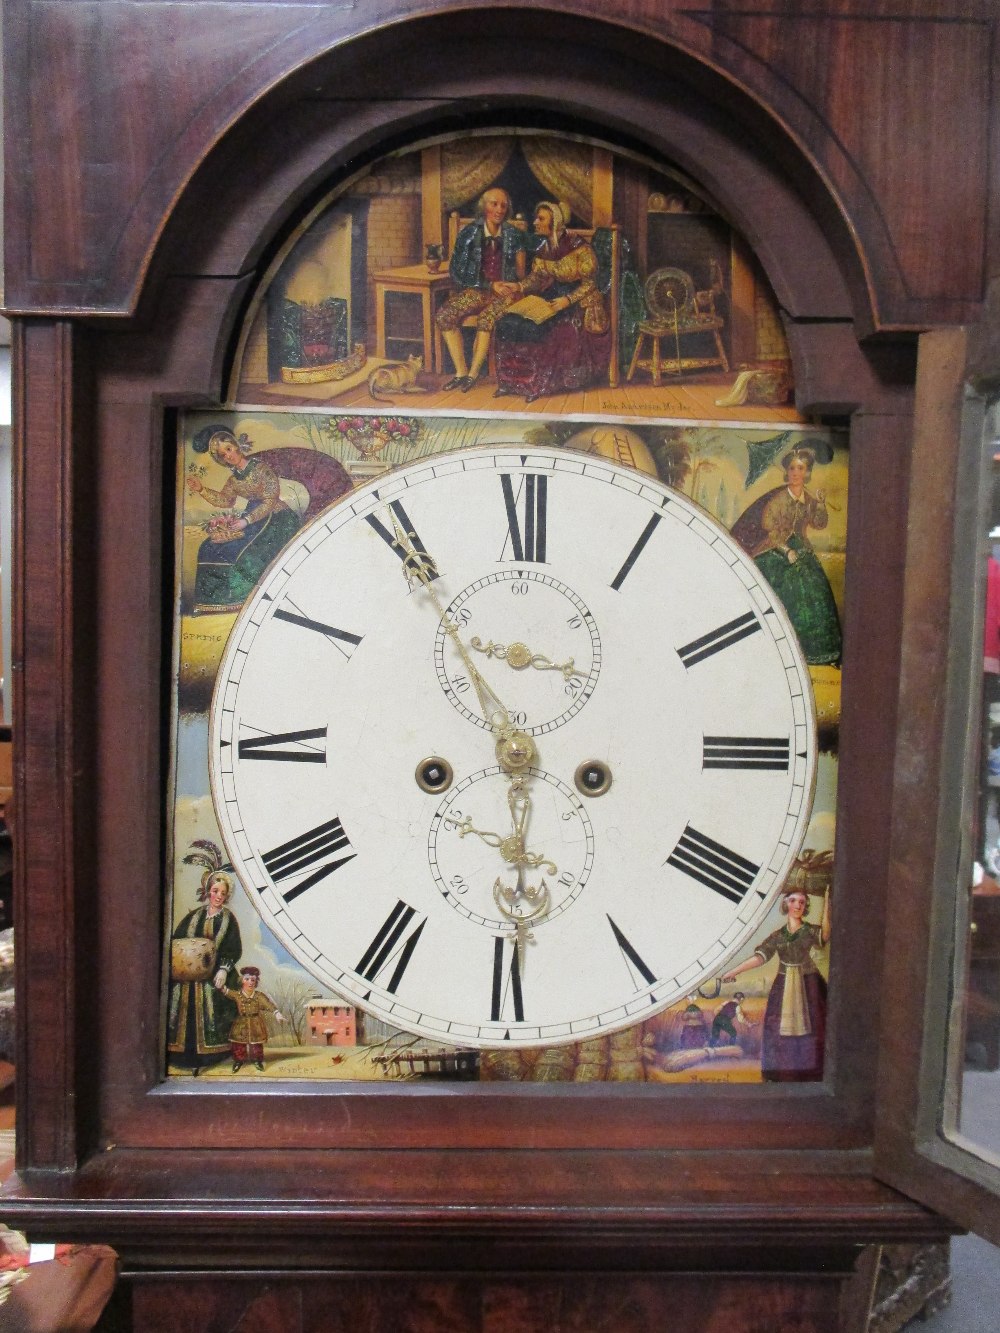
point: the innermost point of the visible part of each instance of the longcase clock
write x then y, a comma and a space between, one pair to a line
490, 732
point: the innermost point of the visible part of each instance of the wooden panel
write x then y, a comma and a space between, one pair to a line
842, 97
927, 853
595, 1304
223, 227
175, 354
43, 810
466, 1211
885, 130
180, 75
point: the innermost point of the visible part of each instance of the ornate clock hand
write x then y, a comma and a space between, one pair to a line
507, 898
511, 847
511, 902
519, 656
522, 903
515, 750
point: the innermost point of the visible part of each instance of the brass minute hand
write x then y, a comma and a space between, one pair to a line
515, 749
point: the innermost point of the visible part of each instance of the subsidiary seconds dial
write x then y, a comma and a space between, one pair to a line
500, 905
532, 624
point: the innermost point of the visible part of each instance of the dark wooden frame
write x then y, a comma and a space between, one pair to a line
112, 329
940, 702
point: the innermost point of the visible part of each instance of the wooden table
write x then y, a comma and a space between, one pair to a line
432, 288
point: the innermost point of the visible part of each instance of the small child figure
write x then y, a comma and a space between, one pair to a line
249, 1030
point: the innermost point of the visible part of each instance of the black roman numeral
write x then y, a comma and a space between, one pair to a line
390, 537
635, 552
308, 850
502, 984
712, 864
769, 754
392, 945
526, 533
723, 637
266, 746
632, 959
339, 637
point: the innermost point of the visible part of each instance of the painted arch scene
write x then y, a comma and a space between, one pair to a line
518, 272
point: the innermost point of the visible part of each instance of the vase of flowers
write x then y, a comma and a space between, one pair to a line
371, 435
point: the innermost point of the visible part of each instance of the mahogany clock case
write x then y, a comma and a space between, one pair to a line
145, 324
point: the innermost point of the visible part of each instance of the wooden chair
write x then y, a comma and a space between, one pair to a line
609, 281
677, 312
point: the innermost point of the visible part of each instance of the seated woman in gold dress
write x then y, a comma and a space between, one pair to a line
571, 345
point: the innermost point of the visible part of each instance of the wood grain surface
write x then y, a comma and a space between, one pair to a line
840, 92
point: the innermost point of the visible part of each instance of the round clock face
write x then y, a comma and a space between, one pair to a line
597, 616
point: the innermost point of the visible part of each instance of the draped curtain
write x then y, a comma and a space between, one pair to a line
469, 166
564, 168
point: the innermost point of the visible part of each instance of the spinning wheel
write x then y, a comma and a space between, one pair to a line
676, 311
669, 292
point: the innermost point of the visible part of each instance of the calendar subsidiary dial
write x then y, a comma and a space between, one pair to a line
513, 747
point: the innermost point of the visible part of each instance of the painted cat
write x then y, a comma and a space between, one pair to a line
398, 378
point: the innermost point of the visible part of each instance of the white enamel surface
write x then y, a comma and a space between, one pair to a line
385, 707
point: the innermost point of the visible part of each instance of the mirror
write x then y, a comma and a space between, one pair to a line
972, 1106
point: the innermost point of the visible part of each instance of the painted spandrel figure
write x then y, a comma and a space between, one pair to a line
774, 531
249, 1029
206, 948
795, 1016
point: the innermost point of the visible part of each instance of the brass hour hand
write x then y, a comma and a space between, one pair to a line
519, 656
515, 750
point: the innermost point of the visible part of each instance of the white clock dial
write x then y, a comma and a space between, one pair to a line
339, 682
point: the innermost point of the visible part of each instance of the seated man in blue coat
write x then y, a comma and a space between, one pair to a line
488, 262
